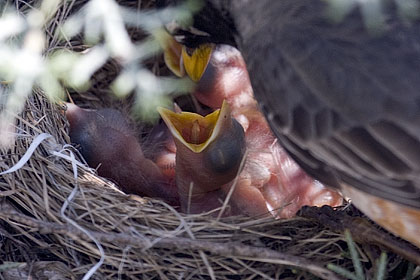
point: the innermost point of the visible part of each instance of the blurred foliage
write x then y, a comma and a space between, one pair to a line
26, 61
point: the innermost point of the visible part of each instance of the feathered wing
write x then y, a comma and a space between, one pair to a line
344, 96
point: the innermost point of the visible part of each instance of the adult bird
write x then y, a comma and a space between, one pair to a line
342, 96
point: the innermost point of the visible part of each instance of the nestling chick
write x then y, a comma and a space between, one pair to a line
208, 156
107, 142
270, 180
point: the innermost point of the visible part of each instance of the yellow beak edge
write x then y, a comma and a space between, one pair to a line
193, 130
182, 60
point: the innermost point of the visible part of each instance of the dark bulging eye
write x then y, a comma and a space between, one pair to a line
224, 155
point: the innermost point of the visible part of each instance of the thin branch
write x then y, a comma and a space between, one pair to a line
175, 243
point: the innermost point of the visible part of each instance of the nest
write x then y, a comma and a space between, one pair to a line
59, 220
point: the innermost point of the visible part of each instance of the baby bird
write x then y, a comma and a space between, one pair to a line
107, 142
270, 179
209, 151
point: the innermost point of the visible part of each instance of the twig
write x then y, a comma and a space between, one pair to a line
362, 231
175, 243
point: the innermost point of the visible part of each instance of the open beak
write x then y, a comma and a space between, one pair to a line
193, 130
209, 152
182, 60
195, 61
172, 55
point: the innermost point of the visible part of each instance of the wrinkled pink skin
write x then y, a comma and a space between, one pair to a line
270, 180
